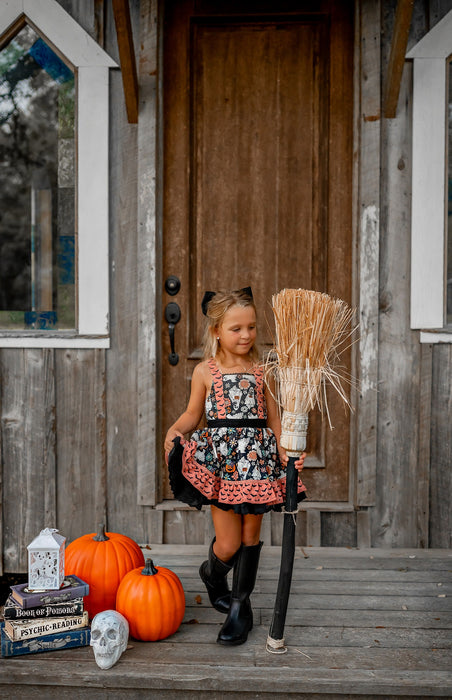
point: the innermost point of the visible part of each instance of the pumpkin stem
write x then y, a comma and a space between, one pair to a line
101, 536
149, 569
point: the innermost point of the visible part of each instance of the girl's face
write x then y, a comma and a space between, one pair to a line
237, 333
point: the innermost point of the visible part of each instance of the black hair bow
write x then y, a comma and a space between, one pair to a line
210, 295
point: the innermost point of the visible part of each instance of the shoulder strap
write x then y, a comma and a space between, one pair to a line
217, 381
258, 372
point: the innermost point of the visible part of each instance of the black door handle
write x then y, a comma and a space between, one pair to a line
172, 316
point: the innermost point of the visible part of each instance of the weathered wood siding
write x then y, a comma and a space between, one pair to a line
80, 428
394, 517
81, 439
414, 433
28, 450
440, 520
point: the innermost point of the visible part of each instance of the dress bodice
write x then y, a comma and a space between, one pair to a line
238, 396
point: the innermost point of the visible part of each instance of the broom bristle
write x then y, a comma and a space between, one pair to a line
310, 327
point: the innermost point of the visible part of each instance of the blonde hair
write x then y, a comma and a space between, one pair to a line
217, 307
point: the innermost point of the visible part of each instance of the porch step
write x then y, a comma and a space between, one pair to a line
361, 624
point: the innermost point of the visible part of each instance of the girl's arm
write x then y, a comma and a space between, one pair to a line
274, 422
195, 408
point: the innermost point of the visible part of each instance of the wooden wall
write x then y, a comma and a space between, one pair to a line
414, 381
79, 428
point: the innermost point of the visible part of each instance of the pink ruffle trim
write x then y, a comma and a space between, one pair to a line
233, 492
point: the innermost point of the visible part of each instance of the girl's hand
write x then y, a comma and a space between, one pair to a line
299, 463
283, 456
170, 435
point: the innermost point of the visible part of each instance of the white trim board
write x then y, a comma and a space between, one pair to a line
428, 210
91, 65
432, 338
428, 194
40, 341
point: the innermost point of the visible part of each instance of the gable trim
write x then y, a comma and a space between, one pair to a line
51, 20
436, 43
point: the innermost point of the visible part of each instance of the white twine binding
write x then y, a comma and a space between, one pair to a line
293, 513
276, 646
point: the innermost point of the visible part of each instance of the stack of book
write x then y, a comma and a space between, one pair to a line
37, 621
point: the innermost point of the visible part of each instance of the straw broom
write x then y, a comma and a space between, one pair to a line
310, 328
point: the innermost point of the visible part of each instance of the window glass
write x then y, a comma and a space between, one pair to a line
37, 187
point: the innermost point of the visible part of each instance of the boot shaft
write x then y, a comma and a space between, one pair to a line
245, 571
213, 573
240, 617
216, 568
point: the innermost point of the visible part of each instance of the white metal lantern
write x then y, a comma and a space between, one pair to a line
46, 560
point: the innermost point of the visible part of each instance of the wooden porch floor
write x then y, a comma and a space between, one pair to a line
361, 624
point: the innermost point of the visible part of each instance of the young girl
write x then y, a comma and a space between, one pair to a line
235, 464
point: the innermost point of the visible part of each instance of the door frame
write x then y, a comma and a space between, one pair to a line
365, 217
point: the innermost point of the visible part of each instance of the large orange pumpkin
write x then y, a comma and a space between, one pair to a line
102, 561
153, 602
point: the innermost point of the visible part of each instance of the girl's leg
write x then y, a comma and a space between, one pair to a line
251, 529
232, 530
228, 532
221, 557
236, 539
240, 617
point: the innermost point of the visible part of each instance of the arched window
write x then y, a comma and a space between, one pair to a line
53, 180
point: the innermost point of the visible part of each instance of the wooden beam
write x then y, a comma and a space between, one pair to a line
367, 213
99, 22
127, 58
402, 23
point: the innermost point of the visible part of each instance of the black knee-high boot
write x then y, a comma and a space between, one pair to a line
240, 617
213, 573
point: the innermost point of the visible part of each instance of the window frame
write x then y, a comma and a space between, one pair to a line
91, 67
429, 201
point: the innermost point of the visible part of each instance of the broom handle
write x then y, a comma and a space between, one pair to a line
287, 554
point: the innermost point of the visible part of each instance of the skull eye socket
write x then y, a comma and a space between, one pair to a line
111, 634
95, 634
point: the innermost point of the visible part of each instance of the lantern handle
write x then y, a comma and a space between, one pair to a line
48, 531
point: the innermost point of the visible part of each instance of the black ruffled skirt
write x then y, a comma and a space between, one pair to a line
184, 491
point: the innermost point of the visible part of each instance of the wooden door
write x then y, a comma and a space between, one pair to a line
257, 179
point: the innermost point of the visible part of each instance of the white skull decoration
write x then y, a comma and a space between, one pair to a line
109, 636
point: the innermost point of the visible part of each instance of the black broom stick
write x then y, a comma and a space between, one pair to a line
310, 326
275, 640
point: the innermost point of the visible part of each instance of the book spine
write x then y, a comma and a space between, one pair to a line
13, 611
52, 642
27, 629
35, 600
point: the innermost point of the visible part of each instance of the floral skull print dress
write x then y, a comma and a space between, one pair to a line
233, 462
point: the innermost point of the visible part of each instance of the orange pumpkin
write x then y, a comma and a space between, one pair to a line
102, 561
153, 602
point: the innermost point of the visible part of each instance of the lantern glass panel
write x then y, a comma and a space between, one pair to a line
46, 561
